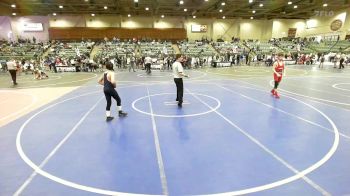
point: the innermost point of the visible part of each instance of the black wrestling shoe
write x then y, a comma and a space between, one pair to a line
122, 114
109, 118
179, 104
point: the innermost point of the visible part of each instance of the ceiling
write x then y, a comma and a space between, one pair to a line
200, 8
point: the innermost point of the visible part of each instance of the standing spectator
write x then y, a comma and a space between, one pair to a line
321, 61
132, 62
341, 62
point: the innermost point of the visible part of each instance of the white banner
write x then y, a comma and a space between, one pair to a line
199, 28
32, 27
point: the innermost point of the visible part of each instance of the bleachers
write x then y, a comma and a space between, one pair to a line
110, 49
196, 49
331, 46
226, 47
263, 47
71, 49
156, 48
22, 51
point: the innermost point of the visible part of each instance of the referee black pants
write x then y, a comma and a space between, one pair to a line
179, 89
13, 76
148, 67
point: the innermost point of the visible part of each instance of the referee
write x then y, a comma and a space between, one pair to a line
178, 75
12, 68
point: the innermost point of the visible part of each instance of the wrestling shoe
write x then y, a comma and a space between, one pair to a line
122, 114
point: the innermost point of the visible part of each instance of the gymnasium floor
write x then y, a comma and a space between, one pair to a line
230, 138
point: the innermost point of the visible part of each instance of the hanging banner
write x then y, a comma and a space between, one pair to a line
32, 27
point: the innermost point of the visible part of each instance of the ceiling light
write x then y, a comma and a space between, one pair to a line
220, 10
86, 0
13, 14
253, 11
105, 7
223, 3
223, 17
13, 6
181, 2
129, 15
61, 6
206, 0
250, 1
147, 8
325, 5
136, 1
295, 6
54, 14
194, 16
92, 14
290, 3
162, 16
185, 10
251, 17
261, 5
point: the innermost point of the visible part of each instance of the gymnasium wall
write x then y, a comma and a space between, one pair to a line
217, 28
14, 25
199, 35
347, 23
320, 25
5, 27
255, 29
225, 29
280, 27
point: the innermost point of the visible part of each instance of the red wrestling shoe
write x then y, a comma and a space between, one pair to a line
273, 91
277, 96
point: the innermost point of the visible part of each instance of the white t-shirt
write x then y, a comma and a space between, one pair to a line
11, 65
177, 68
148, 60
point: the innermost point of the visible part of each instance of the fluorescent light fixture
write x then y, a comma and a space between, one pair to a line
220, 10
136, 1
253, 11
252, 17
325, 5
147, 8
54, 14
162, 16
105, 7
250, 1
92, 14
194, 16
185, 10
181, 2
13, 6
223, 3
129, 15
295, 6
223, 17
261, 5
290, 3
14, 14
61, 6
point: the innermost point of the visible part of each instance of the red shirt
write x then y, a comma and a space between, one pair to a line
279, 68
